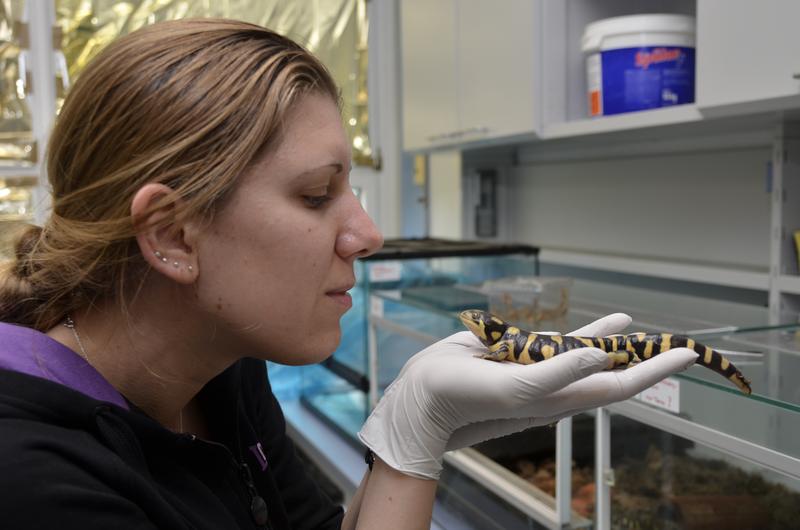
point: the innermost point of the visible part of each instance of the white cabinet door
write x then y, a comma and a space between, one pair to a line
748, 52
496, 59
428, 48
468, 70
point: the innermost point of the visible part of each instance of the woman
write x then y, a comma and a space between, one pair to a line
202, 223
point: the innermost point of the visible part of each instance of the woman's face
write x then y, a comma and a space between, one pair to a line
277, 261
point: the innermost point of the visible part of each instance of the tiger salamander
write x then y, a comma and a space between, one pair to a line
507, 342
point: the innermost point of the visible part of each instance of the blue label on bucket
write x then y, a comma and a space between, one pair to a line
646, 78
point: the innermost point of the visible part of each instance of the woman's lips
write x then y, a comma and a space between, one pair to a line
342, 298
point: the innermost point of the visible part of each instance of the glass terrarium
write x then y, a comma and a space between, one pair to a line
548, 477
666, 481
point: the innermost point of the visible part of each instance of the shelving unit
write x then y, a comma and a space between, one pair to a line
747, 119
756, 115
759, 437
785, 219
750, 116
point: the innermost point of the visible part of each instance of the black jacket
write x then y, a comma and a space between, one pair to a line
68, 460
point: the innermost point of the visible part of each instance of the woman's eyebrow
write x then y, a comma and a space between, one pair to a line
338, 167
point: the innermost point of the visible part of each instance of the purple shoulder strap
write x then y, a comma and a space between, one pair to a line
31, 352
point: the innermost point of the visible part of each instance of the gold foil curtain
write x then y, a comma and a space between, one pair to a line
17, 144
334, 30
16, 209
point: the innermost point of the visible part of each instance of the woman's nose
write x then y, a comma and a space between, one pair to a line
359, 236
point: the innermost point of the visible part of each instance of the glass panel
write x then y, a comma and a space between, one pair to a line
771, 416
720, 324
423, 300
465, 504
663, 481
583, 480
652, 311
770, 358
17, 144
335, 400
531, 456
663, 311
334, 30
413, 331
286, 381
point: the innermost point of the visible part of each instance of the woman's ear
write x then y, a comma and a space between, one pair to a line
166, 240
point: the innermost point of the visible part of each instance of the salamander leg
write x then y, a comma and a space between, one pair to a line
621, 358
497, 352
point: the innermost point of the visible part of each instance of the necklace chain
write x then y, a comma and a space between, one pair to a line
69, 323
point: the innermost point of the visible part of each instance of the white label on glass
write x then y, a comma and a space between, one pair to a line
388, 271
664, 395
394, 294
375, 306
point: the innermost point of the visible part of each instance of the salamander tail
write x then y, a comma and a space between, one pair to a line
742, 382
719, 363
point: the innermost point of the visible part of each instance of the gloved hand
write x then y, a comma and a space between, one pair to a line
446, 398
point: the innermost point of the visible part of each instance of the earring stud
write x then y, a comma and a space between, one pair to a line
160, 256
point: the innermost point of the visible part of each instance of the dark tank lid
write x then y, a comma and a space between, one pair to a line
442, 248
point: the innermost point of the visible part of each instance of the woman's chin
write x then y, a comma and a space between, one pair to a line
315, 351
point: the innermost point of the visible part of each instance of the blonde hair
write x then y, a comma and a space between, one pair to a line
187, 103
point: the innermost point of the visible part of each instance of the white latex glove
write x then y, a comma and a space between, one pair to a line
446, 398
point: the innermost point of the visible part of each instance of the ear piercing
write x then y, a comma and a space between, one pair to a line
164, 259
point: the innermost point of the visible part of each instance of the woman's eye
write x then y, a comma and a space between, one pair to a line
316, 201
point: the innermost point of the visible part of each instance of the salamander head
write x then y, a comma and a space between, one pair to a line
487, 327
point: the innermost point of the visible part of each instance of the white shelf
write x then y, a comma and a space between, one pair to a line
746, 278
647, 133
789, 284
622, 122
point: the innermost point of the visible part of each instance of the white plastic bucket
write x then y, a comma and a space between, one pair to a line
639, 62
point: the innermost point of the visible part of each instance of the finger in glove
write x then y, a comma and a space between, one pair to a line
603, 388
507, 390
595, 390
